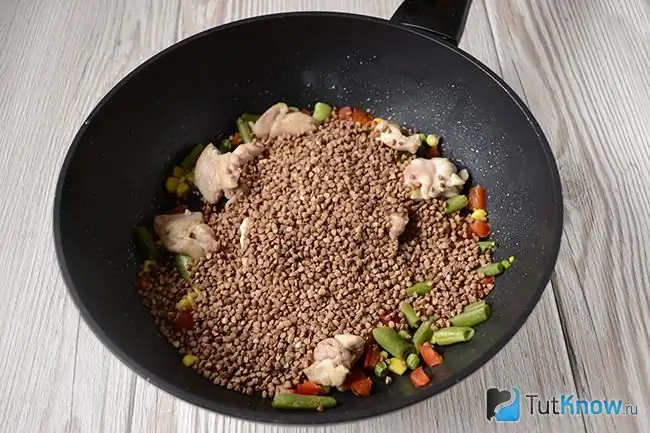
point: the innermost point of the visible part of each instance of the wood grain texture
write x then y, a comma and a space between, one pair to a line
588, 86
579, 65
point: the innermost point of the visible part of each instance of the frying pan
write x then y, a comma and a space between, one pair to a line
408, 69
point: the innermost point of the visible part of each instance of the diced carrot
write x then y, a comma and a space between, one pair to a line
419, 377
235, 139
362, 387
308, 388
430, 356
184, 321
360, 116
179, 209
345, 113
371, 357
354, 375
477, 198
432, 152
480, 228
487, 280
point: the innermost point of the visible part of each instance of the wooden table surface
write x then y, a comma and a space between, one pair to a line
582, 66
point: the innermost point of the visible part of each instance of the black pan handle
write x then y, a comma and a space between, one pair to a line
445, 18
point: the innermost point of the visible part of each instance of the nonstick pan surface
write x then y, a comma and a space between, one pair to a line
192, 93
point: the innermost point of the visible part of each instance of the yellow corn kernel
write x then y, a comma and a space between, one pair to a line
178, 172
416, 194
189, 360
397, 366
479, 215
182, 189
432, 140
377, 119
149, 265
171, 184
185, 304
511, 259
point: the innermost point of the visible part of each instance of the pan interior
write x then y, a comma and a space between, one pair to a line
193, 93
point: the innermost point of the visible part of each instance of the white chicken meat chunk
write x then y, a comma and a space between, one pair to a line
332, 349
398, 223
353, 343
327, 373
185, 234
391, 135
217, 172
262, 127
333, 359
279, 120
435, 177
243, 231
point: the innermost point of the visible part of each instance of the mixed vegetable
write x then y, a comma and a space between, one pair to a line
345, 362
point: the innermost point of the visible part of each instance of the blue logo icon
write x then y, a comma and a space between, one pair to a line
503, 406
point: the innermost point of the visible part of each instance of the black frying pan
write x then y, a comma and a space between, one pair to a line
192, 93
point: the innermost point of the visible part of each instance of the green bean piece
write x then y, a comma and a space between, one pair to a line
452, 335
183, 264
423, 334
381, 369
248, 117
244, 130
473, 317
455, 203
147, 244
491, 270
484, 246
413, 361
321, 111
419, 288
409, 314
288, 400
191, 158
473, 305
506, 264
392, 343
404, 334
225, 146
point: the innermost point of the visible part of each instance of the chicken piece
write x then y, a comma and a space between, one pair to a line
436, 177
391, 135
398, 223
352, 343
294, 123
279, 120
333, 359
327, 373
217, 172
243, 231
262, 127
331, 348
211, 174
185, 234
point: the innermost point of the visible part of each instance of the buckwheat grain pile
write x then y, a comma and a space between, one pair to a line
316, 260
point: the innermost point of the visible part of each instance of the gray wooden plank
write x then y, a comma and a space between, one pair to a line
582, 67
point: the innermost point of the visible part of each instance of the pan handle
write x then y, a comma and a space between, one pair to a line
445, 18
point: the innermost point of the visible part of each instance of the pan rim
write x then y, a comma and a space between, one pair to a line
305, 418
